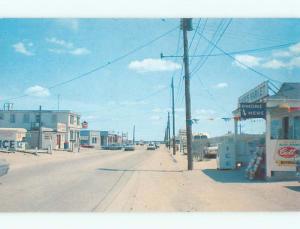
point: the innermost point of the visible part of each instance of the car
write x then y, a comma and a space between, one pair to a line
114, 147
129, 147
151, 146
298, 167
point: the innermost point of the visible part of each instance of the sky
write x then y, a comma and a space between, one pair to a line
36, 54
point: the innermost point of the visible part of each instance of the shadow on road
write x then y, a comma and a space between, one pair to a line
294, 188
140, 170
229, 176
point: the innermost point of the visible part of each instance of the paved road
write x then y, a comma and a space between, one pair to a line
79, 184
141, 181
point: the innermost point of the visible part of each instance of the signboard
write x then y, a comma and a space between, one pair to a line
61, 127
286, 152
253, 110
84, 124
255, 94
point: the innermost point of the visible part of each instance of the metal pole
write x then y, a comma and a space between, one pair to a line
173, 116
185, 24
133, 135
40, 126
169, 131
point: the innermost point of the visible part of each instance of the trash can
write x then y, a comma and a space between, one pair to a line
66, 145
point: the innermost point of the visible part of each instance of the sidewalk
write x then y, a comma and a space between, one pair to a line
163, 184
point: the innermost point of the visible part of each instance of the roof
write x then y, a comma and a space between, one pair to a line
288, 91
13, 129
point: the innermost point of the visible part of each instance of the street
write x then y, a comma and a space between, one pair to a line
140, 180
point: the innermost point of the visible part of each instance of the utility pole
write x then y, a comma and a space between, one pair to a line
169, 131
186, 25
173, 116
133, 135
40, 127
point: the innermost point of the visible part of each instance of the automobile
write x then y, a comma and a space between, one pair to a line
298, 167
114, 147
151, 146
129, 147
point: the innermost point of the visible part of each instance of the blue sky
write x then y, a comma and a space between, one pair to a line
38, 53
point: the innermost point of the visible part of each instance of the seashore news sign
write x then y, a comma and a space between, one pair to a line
253, 110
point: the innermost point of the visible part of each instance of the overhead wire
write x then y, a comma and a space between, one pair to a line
117, 59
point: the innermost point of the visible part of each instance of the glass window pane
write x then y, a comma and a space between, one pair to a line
297, 127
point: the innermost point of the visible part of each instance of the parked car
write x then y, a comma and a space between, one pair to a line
114, 147
298, 167
151, 146
129, 147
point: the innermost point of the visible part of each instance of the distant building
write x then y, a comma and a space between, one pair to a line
90, 138
66, 124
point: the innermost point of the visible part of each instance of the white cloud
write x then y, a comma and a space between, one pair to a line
221, 85
157, 110
204, 113
155, 117
153, 65
59, 42
63, 47
20, 47
72, 24
274, 64
132, 103
37, 91
248, 60
79, 51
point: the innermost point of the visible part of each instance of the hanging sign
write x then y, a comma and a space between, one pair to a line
253, 110
257, 93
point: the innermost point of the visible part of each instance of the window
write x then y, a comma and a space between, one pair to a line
12, 118
297, 127
37, 118
286, 128
94, 140
26, 118
71, 135
54, 118
1, 116
71, 119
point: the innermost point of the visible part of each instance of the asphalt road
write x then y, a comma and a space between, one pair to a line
80, 184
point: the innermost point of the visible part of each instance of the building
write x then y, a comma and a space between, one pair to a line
65, 123
103, 138
90, 138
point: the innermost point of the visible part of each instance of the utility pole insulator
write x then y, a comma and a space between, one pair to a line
186, 23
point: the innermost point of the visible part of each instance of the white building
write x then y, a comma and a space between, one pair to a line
65, 123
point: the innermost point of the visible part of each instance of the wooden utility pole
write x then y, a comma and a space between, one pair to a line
186, 25
173, 117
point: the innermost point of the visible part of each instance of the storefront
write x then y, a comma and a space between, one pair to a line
281, 112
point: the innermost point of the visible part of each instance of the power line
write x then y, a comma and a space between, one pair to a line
102, 66
241, 63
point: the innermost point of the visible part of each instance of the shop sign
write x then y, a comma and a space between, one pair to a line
84, 124
10, 144
253, 110
255, 94
287, 152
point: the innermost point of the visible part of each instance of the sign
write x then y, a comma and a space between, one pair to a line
84, 124
255, 94
286, 152
61, 127
253, 110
